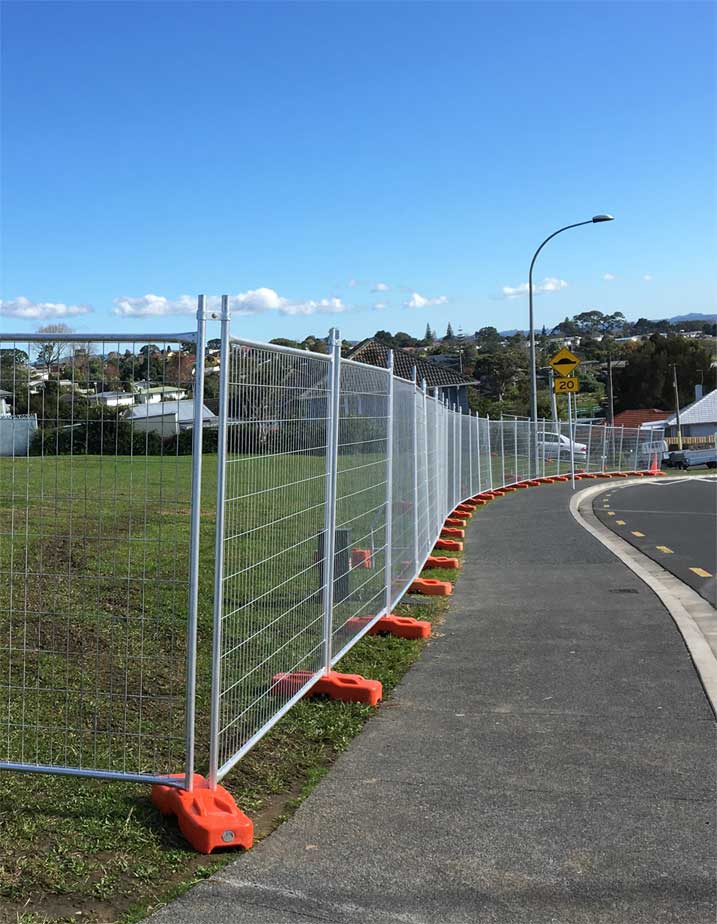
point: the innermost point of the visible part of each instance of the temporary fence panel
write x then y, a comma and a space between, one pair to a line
403, 524
361, 502
269, 605
99, 536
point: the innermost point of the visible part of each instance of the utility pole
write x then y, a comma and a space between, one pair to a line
677, 406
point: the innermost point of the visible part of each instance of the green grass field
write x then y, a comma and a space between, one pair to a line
93, 578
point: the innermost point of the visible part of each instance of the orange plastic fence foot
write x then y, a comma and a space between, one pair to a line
361, 558
436, 561
450, 532
483, 497
456, 521
431, 588
349, 688
208, 818
481, 503
521, 484
466, 508
561, 478
401, 627
448, 545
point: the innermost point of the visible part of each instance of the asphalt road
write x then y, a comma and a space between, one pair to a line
672, 520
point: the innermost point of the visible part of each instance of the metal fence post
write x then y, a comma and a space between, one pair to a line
515, 446
622, 436
332, 462
480, 485
194, 528
604, 447
389, 483
502, 449
590, 441
425, 458
490, 456
416, 563
222, 449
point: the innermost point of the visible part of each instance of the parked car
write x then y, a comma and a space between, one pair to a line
556, 445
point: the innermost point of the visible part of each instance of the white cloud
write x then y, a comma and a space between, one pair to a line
144, 306
381, 287
421, 301
244, 304
609, 277
647, 277
379, 306
22, 307
352, 283
549, 284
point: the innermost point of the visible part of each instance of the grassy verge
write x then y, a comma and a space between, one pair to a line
85, 850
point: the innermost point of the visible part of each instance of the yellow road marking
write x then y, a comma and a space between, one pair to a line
611, 513
700, 572
637, 533
620, 522
664, 548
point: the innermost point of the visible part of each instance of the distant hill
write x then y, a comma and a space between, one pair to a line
693, 316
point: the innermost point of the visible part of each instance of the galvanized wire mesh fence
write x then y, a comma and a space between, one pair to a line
95, 543
331, 483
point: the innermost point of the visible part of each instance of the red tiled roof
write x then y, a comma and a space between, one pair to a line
640, 416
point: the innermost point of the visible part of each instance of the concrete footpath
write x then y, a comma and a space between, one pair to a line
551, 758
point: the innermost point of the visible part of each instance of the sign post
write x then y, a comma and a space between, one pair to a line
563, 364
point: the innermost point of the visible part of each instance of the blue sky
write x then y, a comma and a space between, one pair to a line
318, 160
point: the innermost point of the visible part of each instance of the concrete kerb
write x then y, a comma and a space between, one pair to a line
686, 607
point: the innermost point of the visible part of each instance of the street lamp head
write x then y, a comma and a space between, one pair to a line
603, 218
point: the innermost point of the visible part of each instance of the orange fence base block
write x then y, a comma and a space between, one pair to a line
466, 507
208, 818
450, 532
456, 521
481, 503
348, 688
361, 558
436, 561
521, 484
401, 627
483, 497
448, 545
431, 588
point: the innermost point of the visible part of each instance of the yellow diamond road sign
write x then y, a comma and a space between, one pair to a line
564, 362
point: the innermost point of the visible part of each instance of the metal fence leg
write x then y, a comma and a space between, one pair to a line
389, 486
332, 459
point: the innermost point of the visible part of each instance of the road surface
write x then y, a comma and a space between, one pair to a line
674, 521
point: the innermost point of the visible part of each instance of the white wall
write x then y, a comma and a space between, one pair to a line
16, 435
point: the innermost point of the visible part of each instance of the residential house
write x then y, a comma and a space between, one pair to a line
698, 419
168, 418
451, 385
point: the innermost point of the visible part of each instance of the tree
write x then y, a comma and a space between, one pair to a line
402, 339
647, 379
429, 336
449, 332
51, 352
499, 373
488, 338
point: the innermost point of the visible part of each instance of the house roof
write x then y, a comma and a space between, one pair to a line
639, 416
374, 353
184, 410
702, 411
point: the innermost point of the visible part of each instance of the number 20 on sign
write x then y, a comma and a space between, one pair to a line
566, 386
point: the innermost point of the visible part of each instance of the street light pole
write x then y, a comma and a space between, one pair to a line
533, 373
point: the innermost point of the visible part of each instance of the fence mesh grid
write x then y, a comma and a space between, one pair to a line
95, 490
274, 513
361, 482
336, 480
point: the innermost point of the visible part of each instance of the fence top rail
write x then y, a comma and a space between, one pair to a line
35, 337
278, 348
